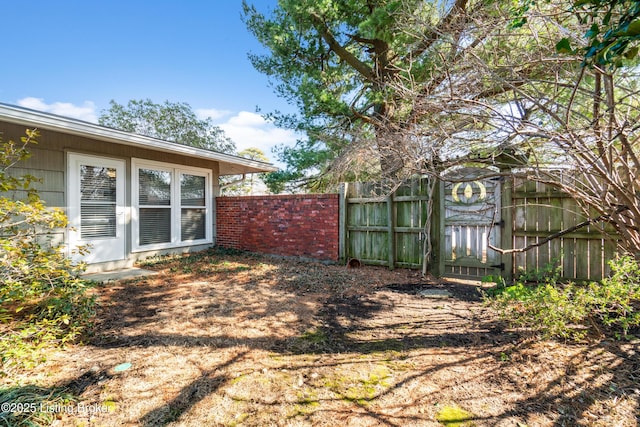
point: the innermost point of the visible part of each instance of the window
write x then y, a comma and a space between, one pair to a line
171, 206
193, 207
97, 202
154, 201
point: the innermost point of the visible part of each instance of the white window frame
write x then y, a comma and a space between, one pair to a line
175, 205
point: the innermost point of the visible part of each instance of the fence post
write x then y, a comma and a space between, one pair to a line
506, 238
437, 230
390, 232
342, 222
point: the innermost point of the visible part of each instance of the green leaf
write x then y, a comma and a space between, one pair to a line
631, 53
592, 33
564, 46
592, 51
633, 29
518, 22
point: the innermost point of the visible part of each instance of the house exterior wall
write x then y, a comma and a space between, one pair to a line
304, 226
56, 144
48, 161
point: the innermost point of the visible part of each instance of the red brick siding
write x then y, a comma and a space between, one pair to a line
290, 225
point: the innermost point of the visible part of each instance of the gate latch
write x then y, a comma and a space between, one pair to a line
500, 223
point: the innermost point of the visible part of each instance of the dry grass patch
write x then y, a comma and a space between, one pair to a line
231, 339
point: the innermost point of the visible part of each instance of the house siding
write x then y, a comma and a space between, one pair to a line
56, 144
46, 165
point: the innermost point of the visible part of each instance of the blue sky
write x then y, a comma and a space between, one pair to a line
73, 57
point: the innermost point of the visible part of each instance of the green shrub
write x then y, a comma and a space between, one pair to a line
571, 310
550, 273
617, 299
43, 301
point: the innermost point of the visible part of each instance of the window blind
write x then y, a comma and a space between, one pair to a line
192, 224
155, 225
192, 190
192, 218
97, 202
154, 187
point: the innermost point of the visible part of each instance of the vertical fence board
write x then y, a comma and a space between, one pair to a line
519, 221
391, 255
342, 226
582, 259
531, 224
544, 228
568, 258
595, 259
555, 225
520, 259
610, 248
569, 212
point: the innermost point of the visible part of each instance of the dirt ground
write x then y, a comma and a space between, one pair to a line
226, 339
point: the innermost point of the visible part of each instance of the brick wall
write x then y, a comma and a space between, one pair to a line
290, 225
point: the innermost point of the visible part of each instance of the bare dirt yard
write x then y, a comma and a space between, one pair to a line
226, 339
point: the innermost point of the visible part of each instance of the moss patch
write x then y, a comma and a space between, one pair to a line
455, 416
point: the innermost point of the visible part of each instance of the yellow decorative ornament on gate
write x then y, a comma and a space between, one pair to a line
468, 191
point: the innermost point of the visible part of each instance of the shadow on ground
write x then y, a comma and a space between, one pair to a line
343, 322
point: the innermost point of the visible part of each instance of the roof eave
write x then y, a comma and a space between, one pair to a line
48, 121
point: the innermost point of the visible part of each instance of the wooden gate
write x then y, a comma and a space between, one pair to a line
470, 221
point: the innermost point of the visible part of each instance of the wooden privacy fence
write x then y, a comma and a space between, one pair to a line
540, 210
384, 229
462, 220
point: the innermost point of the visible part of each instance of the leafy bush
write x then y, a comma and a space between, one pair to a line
42, 299
550, 273
617, 299
571, 310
